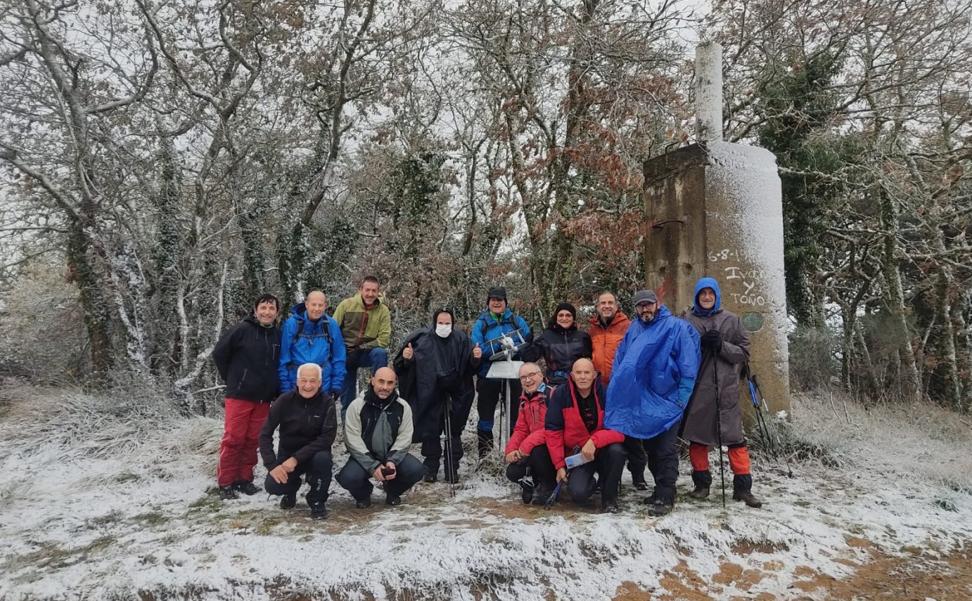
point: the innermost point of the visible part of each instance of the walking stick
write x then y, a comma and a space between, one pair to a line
756, 395
450, 474
722, 467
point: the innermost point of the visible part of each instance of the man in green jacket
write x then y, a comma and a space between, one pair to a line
365, 324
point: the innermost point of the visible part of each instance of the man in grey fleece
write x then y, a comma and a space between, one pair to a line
378, 432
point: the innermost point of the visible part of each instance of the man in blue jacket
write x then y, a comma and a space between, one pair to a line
489, 329
651, 381
311, 336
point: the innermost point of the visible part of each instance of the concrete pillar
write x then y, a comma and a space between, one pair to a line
708, 92
716, 210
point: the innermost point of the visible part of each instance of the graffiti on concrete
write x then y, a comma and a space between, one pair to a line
740, 283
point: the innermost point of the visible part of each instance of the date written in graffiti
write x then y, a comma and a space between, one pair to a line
723, 255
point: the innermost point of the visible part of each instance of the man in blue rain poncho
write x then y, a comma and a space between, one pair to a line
651, 381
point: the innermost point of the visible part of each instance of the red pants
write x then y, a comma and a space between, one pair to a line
238, 449
738, 458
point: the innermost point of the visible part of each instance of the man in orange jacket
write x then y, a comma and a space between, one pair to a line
608, 326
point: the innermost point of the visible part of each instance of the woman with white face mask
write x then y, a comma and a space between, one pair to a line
435, 367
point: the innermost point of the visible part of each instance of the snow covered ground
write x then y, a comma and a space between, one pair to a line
118, 504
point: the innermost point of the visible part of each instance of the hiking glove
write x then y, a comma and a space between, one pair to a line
712, 341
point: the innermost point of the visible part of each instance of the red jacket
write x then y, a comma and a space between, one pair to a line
565, 429
528, 432
606, 341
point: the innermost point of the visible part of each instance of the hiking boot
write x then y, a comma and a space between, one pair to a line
640, 484
748, 498
227, 493
247, 487
742, 486
318, 511
699, 492
431, 471
393, 500
659, 508
610, 507
451, 477
526, 492
702, 481
363, 503
288, 501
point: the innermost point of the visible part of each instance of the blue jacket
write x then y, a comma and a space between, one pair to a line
305, 341
652, 376
487, 328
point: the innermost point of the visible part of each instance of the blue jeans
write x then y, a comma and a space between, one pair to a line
373, 358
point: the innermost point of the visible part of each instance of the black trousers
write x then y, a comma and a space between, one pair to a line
460, 403
637, 458
491, 393
318, 474
608, 464
538, 464
357, 481
663, 463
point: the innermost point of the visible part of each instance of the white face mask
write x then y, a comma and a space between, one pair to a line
442, 330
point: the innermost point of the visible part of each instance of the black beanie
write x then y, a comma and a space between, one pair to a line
552, 324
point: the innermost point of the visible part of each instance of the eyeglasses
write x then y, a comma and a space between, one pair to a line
530, 375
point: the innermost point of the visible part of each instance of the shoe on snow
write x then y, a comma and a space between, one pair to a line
247, 488
288, 501
700, 492
227, 493
659, 508
748, 498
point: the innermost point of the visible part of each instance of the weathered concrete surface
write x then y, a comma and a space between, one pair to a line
717, 210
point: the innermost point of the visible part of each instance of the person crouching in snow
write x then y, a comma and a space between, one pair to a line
526, 452
725, 350
307, 423
575, 420
378, 432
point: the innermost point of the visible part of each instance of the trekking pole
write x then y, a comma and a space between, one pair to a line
450, 474
758, 401
722, 466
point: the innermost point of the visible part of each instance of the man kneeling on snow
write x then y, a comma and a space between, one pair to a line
308, 423
378, 432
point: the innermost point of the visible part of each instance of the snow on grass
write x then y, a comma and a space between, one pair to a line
134, 514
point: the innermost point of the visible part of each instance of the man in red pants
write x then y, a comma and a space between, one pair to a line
246, 357
713, 415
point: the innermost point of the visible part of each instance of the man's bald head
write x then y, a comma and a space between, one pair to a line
383, 382
583, 374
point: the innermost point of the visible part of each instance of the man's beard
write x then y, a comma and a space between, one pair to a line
647, 317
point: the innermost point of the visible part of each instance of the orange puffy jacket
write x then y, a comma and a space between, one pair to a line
606, 341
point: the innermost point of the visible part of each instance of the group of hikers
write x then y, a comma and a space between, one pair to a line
585, 402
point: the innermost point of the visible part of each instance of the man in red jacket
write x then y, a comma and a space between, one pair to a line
575, 424
526, 452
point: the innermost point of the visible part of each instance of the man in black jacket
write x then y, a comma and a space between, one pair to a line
378, 432
246, 357
307, 422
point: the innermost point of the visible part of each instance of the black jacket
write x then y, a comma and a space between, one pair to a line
307, 426
439, 366
246, 357
559, 348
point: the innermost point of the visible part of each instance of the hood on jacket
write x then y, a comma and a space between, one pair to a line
703, 283
552, 323
437, 312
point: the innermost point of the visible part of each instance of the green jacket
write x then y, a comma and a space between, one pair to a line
363, 329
